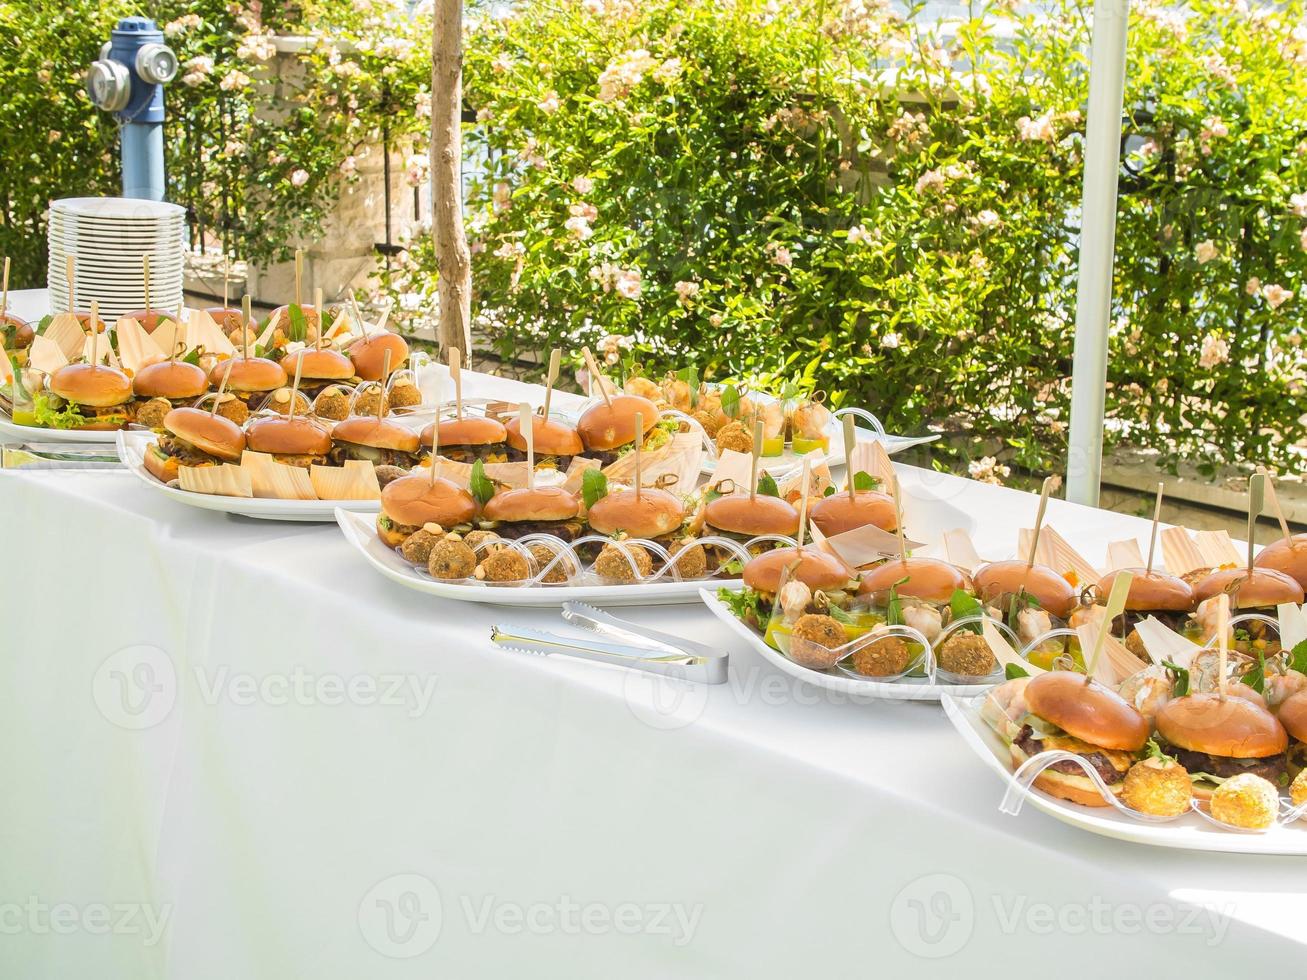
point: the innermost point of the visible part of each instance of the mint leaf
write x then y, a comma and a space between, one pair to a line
193, 357
45, 322
479, 485
594, 486
299, 324
829, 491
1180, 686
840, 616
1298, 657
1256, 678
767, 486
863, 481
961, 605
1013, 671
731, 401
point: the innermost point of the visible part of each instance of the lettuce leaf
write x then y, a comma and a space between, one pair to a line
594, 486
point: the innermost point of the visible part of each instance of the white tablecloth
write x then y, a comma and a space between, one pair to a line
232, 750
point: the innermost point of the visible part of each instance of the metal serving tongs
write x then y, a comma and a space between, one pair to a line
621, 643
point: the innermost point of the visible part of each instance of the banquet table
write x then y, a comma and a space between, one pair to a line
233, 750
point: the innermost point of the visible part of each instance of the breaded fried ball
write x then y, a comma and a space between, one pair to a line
613, 566
279, 402
736, 436
475, 539
404, 393
151, 414
233, 409
451, 558
692, 564
387, 473
417, 546
332, 403
1246, 800
966, 654
1158, 786
1298, 788
543, 555
504, 565
708, 421
367, 400
815, 641
882, 658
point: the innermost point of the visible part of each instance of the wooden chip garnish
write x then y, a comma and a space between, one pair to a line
1124, 554
356, 480
869, 456
203, 331
576, 473
1162, 643
1293, 624
276, 481
1056, 552
961, 550
819, 478
45, 355
733, 467
68, 334
1217, 548
1002, 649
1180, 554
224, 480
867, 544
1115, 662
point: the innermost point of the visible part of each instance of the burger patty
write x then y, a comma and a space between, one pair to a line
183, 452
1124, 624
567, 530
342, 451
494, 452
561, 463
1030, 745
1271, 767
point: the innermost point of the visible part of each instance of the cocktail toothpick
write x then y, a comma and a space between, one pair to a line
555, 358
95, 334
1256, 498
317, 309
1039, 520
222, 387
849, 442
1272, 497
435, 433
1152, 535
803, 501
753, 462
299, 278
1222, 642
247, 324
596, 377
639, 430
1115, 604
295, 385
528, 432
897, 493
385, 372
456, 375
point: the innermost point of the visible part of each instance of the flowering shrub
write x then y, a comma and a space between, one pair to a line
830, 191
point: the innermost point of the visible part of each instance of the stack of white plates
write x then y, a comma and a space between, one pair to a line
107, 237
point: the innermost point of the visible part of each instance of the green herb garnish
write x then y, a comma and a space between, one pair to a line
1180, 684
299, 324
767, 486
961, 605
863, 481
1013, 671
730, 401
480, 485
594, 486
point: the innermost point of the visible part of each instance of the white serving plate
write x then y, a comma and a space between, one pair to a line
1190, 832
906, 689
11, 432
131, 448
361, 532
788, 461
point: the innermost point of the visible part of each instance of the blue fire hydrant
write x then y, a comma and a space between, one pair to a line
128, 81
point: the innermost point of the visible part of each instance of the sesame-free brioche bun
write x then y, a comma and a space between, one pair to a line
753, 516
170, 379
532, 504
839, 512
1089, 711
282, 435
227, 318
652, 514
369, 355
213, 434
368, 430
1233, 727
93, 385
1293, 715
23, 332
1054, 593
605, 426
1259, 589
818, 570
552, 437
249, 374
418, 499
1287, 555
470, 430
928, 579
150, 319
319, 365
1151, 591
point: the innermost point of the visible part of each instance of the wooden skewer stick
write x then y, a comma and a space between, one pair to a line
456, 375
1152, 537
385, 316
145, 274
4, 291
295, 385
222, 388
317, 308
596, 376
247, 325
70, 270
898, 516
849, 443
1223, 642
358, 315
1271, 496
226, 282
385, 372
555, 358
1039, 520
1115, 604
299, 278
95, 334
803, 501
753, 465
1256, 499
639, 428
528, 431
435, 435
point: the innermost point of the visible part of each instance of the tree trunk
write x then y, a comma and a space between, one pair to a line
453, 262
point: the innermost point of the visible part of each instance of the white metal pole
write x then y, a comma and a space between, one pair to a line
1097, 243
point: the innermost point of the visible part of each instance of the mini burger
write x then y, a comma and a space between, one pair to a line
1293, 716
379, 441
226, 318
925, 587
193, 437
1216, 738
150, 319
1168, 599
321, 367
411, 502
805, 580
741, 517
251, 380
15, 332
533, 510
1258, 591
608, 428
468, 439
163, 386
655, 515
555, 442
1024, 596
1066, 712
368, 355
293, 440
85, 396
840, 512
1287, 555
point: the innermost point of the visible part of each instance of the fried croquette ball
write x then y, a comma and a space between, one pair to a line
332, 403
404, 393
736, 436
417, 546
504, 565
815, 641
1298, 788
387, 473
645, 388
1158, 786
151, 414
708, 422
693, 563
613, 566
475, 539
367, 400
279, 402
451, 558
1246, 800
882, 658
543, 555
966, 654
233, 409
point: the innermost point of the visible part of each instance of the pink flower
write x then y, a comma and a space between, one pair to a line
930, 181
549, 104
780, 255
578, 227
629, 284
987, 218
859, 235
349, 165
582, 185
1298, 205
1205, 252
299, 178
1036, 129
1276, 295
686, 291
584, 210
1215, 351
